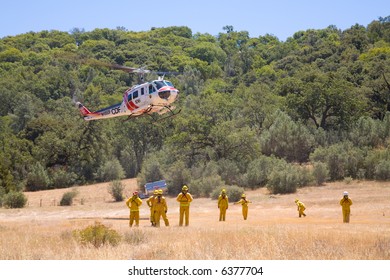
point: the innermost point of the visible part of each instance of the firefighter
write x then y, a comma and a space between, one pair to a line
184, 198
150, 202
244, 202
160, 209
223, 205
134, 203
346, 203
301, 208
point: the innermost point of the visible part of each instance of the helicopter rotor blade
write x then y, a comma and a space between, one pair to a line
129, 69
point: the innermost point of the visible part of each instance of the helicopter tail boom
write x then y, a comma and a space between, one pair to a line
83, 110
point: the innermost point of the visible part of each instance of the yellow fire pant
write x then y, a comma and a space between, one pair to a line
152, 215
346, 214
245, 212
134, 216
157, 217
184, 211
222, 213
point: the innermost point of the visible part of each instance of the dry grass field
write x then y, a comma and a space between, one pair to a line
273, 231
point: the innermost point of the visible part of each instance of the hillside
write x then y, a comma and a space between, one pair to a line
254, 111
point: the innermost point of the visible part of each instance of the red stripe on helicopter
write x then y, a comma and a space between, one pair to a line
131, 106
129, 103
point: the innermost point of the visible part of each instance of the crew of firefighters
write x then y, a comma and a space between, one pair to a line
158, 207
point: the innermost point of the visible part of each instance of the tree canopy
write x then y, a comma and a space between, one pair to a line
247, 104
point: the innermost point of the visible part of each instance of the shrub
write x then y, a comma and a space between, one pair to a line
229, 171
135, 237
178, 175
286, 139
204, 186
342, 160
150, 171
258, 171
320, 173
367, 132
111, 170
62, 179
116, 190
284, 180
98, 235
233, 192
14, 200
37, 178
67, 198
382, 170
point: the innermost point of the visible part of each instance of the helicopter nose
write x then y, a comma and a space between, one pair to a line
174, 95
169, 94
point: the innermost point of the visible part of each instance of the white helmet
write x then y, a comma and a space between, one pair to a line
345, 193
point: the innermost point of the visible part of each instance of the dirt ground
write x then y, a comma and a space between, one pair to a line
371, 205
273, 230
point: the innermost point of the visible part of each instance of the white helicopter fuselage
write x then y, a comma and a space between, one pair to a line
147, 98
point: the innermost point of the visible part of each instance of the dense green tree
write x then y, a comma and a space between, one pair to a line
245, 102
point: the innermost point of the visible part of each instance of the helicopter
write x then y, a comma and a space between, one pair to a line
142, 99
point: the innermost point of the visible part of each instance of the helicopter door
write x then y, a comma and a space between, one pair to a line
136, 98
142, 99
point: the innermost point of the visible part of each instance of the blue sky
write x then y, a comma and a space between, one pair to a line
281, 18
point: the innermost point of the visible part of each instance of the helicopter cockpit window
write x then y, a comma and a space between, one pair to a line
159, 84
129, 97
135, 94
169, 83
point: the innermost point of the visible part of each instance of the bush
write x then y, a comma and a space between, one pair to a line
204, 186
111, 170
150, 171
229, 171
233, 192
382, 170
135, 237
63, 179
177, 175
284, 180
37, 178
320, 173
98, 235
116, 190
286, 139
342, 160
14, 200
67, 198
258, 171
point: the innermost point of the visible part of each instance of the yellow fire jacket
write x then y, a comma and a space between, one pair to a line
223, 202
301, 206
346, 203
184, 199
243, 202
134, 203
160, 204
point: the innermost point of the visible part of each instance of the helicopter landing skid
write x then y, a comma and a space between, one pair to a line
173, 114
